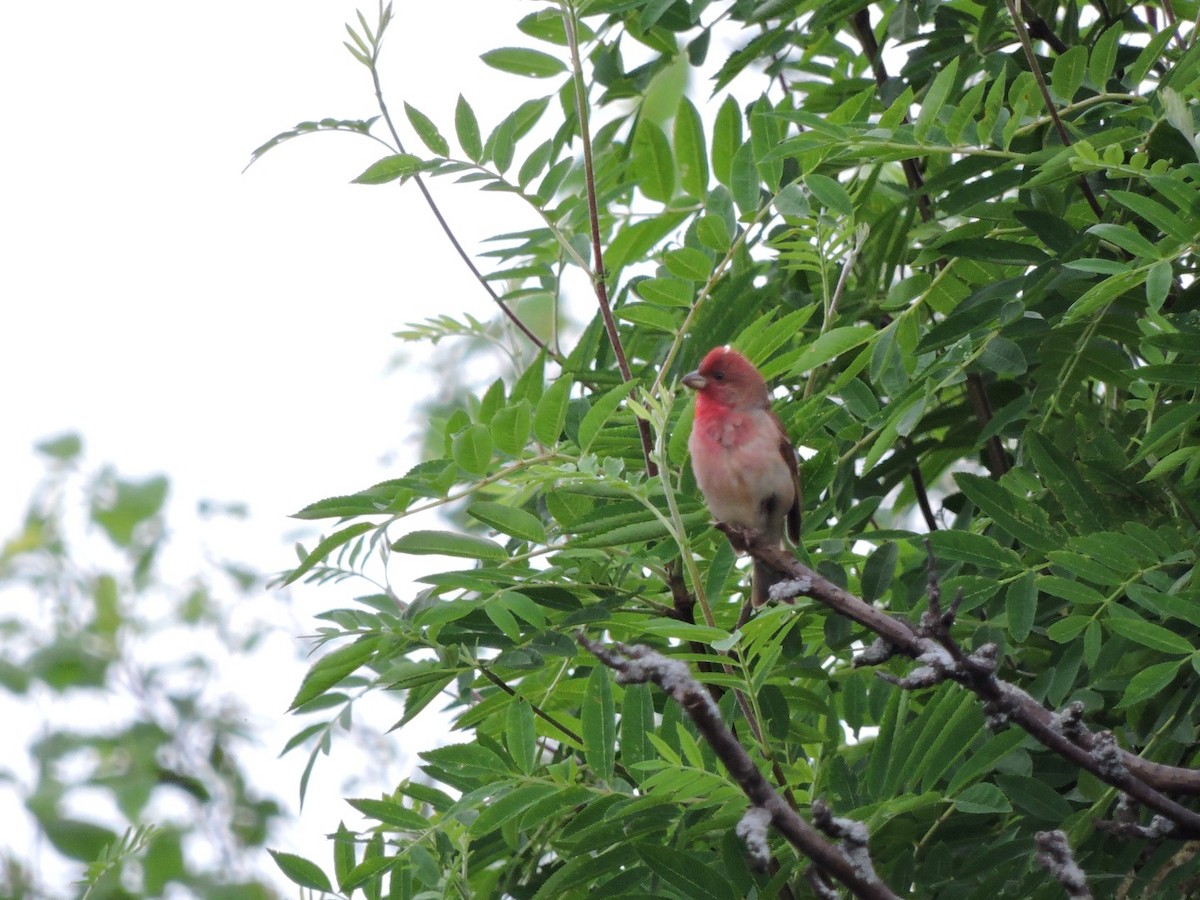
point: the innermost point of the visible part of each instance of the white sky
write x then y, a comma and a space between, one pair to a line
231, 330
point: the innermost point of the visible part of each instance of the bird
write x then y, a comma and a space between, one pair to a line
744, 463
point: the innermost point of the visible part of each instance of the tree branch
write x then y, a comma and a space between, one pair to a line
589, 173
943, 660
1054, 855
1031, 58
638, 664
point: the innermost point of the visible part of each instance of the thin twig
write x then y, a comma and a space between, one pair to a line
598, 276
1031, 58
441, 220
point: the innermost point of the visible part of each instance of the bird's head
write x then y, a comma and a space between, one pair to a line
727, 378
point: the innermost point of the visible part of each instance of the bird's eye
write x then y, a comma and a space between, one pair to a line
719, 375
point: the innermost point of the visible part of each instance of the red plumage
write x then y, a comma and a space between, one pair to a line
744, 463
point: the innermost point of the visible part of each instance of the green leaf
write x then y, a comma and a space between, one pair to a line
686, 872
602, 410
1035, 797
1150, 55
1067, 75
1101, 266
366, 871
688, 263
1101, 295
520, 735
343, 853
1150, 682
503, 619
1158, 215
1158, 284
466, 126
332, 668
982, 798
1066, 630
327, 546
1061, 476
1022, 519
978, 549
510, 427
637, 723
390, 813
878, 571
449, 543
985, 758
1020, 605
1104, 56
472, 449
1074, 592
511, 805
524, 61
400, 165
744, 183
599, 724
935, 99
551, 412
713, 233
1124, 237
831, 345
652, 166
1178, 374
766, 133
666, 291
509, 520
1149, 635
301, 871
727, 139
1004, 357
831, 193
427, 131
690, 150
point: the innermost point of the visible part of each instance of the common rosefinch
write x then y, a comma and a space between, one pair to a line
744, 463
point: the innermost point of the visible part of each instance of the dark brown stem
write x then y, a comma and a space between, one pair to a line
1031, 58
918, 483
861, 23
1039, 29
537, 710
997, 456
589, 173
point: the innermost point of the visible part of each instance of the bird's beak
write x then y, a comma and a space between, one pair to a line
695, 381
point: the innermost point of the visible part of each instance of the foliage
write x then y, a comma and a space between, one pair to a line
151, 793
961, 238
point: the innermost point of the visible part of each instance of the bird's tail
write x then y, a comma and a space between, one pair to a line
761, 580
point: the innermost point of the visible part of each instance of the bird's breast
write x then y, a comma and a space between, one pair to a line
739, 467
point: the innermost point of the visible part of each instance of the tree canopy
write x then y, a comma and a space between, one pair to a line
960, 239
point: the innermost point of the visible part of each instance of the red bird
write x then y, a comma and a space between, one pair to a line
744, 463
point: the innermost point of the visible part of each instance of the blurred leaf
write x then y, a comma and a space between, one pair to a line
130, 504
64, 447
